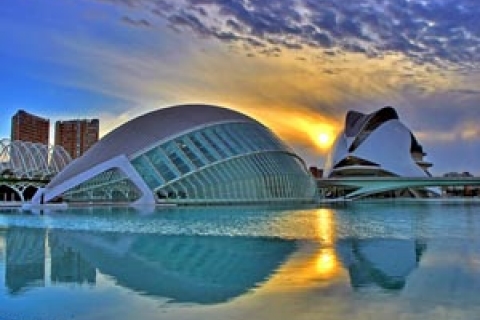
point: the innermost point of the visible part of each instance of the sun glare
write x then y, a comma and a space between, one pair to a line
320, 132
324, 139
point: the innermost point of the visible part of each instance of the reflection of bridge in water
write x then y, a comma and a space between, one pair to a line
360, 187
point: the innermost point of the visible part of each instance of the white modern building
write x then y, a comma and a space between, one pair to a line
188, 154
377, 145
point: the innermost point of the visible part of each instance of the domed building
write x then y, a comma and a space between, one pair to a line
188, 154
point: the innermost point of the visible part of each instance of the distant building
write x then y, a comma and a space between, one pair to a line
76, 136
316, 172
460, 191
29, 127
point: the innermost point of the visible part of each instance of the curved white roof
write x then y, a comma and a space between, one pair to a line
146, 130
379, 138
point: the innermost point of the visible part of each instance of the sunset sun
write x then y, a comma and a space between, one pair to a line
324, 140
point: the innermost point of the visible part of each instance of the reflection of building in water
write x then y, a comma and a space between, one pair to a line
67, 265
183, 268
384, 263
199, 269
2, 247
25, 258
26, 255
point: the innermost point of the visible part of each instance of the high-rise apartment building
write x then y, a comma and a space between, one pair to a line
29, 127
76, 136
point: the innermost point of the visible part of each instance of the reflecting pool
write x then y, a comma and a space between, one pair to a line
361, 261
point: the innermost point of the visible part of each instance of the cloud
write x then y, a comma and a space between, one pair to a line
438, 32
129, 3
136, 23
287, 97
297, 100
470, 131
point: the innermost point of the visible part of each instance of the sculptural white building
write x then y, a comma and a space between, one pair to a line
189, 154
377, 144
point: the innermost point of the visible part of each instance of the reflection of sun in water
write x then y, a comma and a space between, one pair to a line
326, 232
326, 262
316, 264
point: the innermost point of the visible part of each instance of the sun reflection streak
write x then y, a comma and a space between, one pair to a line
326, 226
316, 263
327, 264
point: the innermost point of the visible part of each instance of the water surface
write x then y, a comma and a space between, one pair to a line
362, 261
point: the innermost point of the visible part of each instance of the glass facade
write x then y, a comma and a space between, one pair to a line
109, 186
235, 162
225, 163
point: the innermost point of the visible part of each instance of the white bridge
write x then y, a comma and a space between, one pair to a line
26, 166
365, 186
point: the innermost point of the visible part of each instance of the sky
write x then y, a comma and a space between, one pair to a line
296, 66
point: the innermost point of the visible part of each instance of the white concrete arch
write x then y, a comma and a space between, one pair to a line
27, 160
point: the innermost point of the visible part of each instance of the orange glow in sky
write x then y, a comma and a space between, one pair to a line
321, 134
324, 139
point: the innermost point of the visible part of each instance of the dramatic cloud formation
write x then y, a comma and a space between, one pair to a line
435, 31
